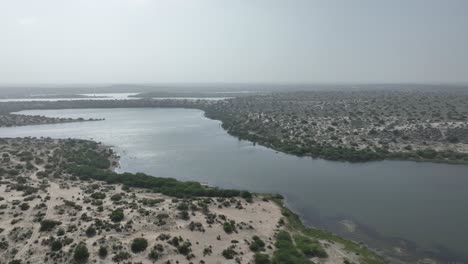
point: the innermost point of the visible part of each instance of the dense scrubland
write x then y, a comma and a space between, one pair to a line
353, 126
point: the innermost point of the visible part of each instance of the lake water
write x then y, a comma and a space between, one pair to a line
422, 202
107, 96
93, 97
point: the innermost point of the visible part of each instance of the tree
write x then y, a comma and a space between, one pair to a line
91, 231
102, 251
117, 215
139, 244
56, 245
261, 259
24, 206
184, 215
116, 197
229, 253
81, 253
154, 255
47, 225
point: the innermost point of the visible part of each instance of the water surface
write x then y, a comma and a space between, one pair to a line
423, 202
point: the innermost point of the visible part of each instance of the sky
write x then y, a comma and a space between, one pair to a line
233, 41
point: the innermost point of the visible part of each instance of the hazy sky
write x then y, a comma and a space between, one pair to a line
142, 41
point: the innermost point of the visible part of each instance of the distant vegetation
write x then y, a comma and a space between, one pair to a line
355, 126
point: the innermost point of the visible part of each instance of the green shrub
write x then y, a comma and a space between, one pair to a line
102, 251
154, 255
56, 245
116, 197
310, 248
121, 256
229, 253
81, 252
98, 195
261, 259
47, 225
184, 215
24, 206
286, 252
139, 244
60, 232
185, 248
257, 244
91, 231
229, 227
117, 215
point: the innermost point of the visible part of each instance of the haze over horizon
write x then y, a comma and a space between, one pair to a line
212, 41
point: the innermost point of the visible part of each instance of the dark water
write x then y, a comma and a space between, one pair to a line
421, 202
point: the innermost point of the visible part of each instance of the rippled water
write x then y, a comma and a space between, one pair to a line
423, 202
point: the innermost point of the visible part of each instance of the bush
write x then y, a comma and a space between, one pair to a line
185, 248
286, 252
116, 197
117, 215
24, 206
81, 252
60, 232
229, 253
139, 244
102, 252
184, 215
247, 196
121, 256
310, 248
47, 225
56, 245
91, 231
98, 195
261, 259
257, 244
154, 255
229, 227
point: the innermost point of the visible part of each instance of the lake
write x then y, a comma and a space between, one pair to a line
104, 96
386, 204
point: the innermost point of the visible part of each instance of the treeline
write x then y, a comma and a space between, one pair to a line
86, 160
8, 107
86, 153
167, 186
234, 127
